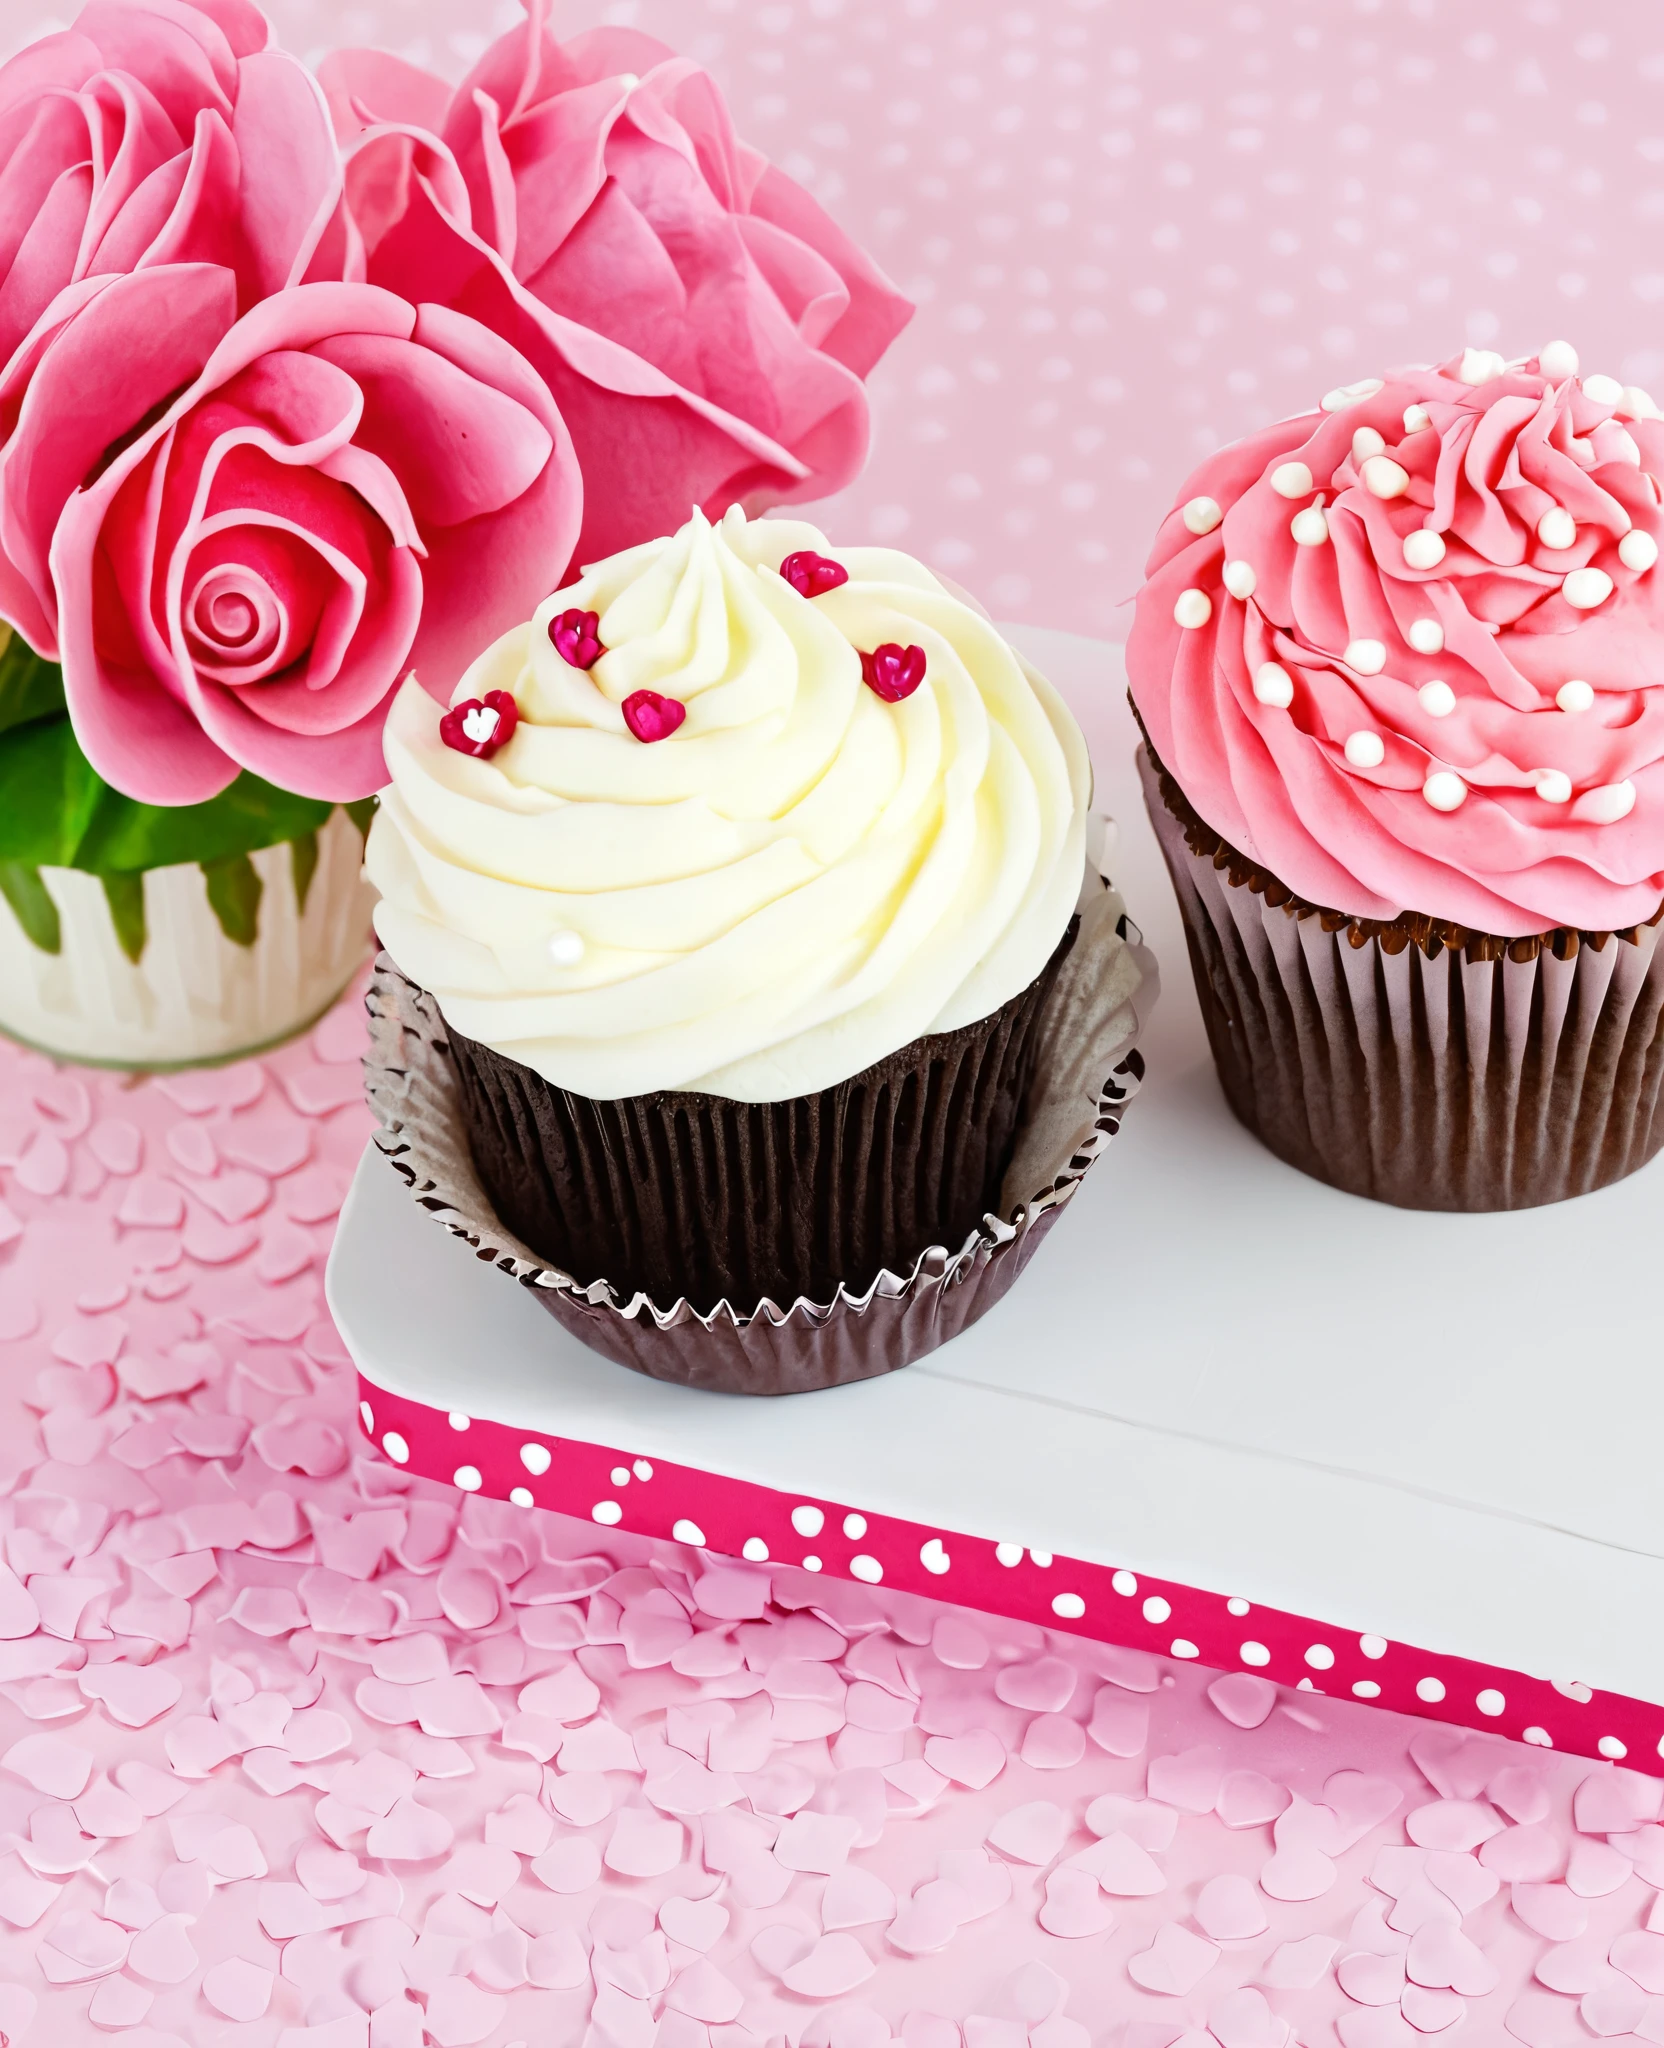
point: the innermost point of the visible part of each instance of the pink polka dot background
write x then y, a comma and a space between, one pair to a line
1134, 232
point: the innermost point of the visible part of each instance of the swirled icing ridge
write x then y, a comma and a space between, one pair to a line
797, 881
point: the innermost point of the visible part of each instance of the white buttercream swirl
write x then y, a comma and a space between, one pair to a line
799, 881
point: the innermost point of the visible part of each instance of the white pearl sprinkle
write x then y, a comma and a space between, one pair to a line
867, 1569
1638, 404
1479, 366
1437, 699
855, 1527
1202, 515
1445, 790
1009, 1554
754, 1550
467, 1477
1344, 395
1575, 696
1554, 786
807, 1520
1157, 1610
1423, 549
1557, 529
1638, 550
1601, 390
621, 1475
684, 1531
521, 1496
536, 1458
1274, 685
1539, 1738
1193, 608
566, 949
1426, 636
1320, 1657
1612, 1749
1430, 1689
1365, 749
1365, 1689
1291, 480
933, 1555
1125, 1583
1373, 1647
1254, 1653
1068, 1607
1557, 360
458, 1420
1490, 1701
1366, 657
1417, 419
1605, 805
396, 1447
1583, 589
607, 1513
1240, 579
1384, 478
1365, 443
1311, 527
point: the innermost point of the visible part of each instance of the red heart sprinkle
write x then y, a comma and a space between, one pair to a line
652, 717
893, 672
812, 575
577, 638
481, 725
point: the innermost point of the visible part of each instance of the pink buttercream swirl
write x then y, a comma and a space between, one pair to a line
1407, 652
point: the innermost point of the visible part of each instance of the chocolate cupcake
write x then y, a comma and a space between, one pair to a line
1400, 666
740, 875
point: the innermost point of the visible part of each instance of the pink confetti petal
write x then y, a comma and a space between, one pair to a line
237, 1989
1119, 1725
1550, 1910
51, 1764
1521, 1790
1640, 1955
410, 1833
117, 2003
1593, 1869
1190, 1781
1031, 1834
974, 1760
1124, 1868
1297, 1873
1453, 1824
1075, 1908
929, 1919
1174, 1963
1298, 1965
1150, 1824
1248, 1799
1043, 1687
835, 1965
460, 2014
133, 1694
24, 1897
644, 1844
1531, 1854
1052, 1742
854, 1898
18, 1614
1243, 1699
1228, 1908
816, 1842
1371, 1979
1444, 1957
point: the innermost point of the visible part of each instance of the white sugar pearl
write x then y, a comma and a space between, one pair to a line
1367, 657
1553, 785
536, 1458
1557, 360
1423, 549
1384, 478
1365, 443
1417, 419
396, 1447
1365, 749
1638, 404
1606, 805
1479, 366
1344, 395
1602, 390
1202, 515
1274, 685
1311, 527
1437, 699
1426, 636
1638, 550
688, 1532
754, 1550
1430, 1689
1583, 589
1611, 1748
467, 1478
1557, 528
1193, 608
1240, 579
480, 724
1575, 696
521, 1496
1291, 480
566, 949
1490, 1701
1445, 790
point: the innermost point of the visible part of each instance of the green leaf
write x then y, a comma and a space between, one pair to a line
48, 793
234, 896
30, 687
361, 813
127, 836
303, 863
125, 896
32, 905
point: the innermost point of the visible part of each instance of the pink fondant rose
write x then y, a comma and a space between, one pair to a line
162, 133
245, 531
1408, 651
703, 325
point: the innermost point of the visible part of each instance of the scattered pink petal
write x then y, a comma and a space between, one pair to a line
410, 1833
237, 1989
1228, 1908
644, 1844
1243, 1699
1074, 1907
974, 1760
1174, 1963
51, 1764
459, 2013
1031, 1834
836, 1964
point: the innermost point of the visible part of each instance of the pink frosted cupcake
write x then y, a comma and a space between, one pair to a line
1400, 667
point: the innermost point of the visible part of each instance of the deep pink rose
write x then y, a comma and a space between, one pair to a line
703, 325
246, 531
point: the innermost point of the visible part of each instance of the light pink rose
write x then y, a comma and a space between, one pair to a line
702, 324
158, 133
246, 531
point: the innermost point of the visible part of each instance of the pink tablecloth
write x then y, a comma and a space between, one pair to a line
297, 1752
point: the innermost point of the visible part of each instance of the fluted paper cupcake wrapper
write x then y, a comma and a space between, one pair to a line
1489, 1074
1087, 1067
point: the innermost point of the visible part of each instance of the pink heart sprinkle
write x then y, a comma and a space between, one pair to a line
1074, 1907
237, 1989
893, 672
812, 575
577, 638
836, 1964
1369, 1979
1228, 1909
1030, 1834
480, 726
652, 717
853, 1898
1244, 1700
1174, 1963
973, 1760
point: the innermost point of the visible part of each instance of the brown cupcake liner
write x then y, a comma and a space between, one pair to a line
757, 1201
1085, 1067
1412, 1061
